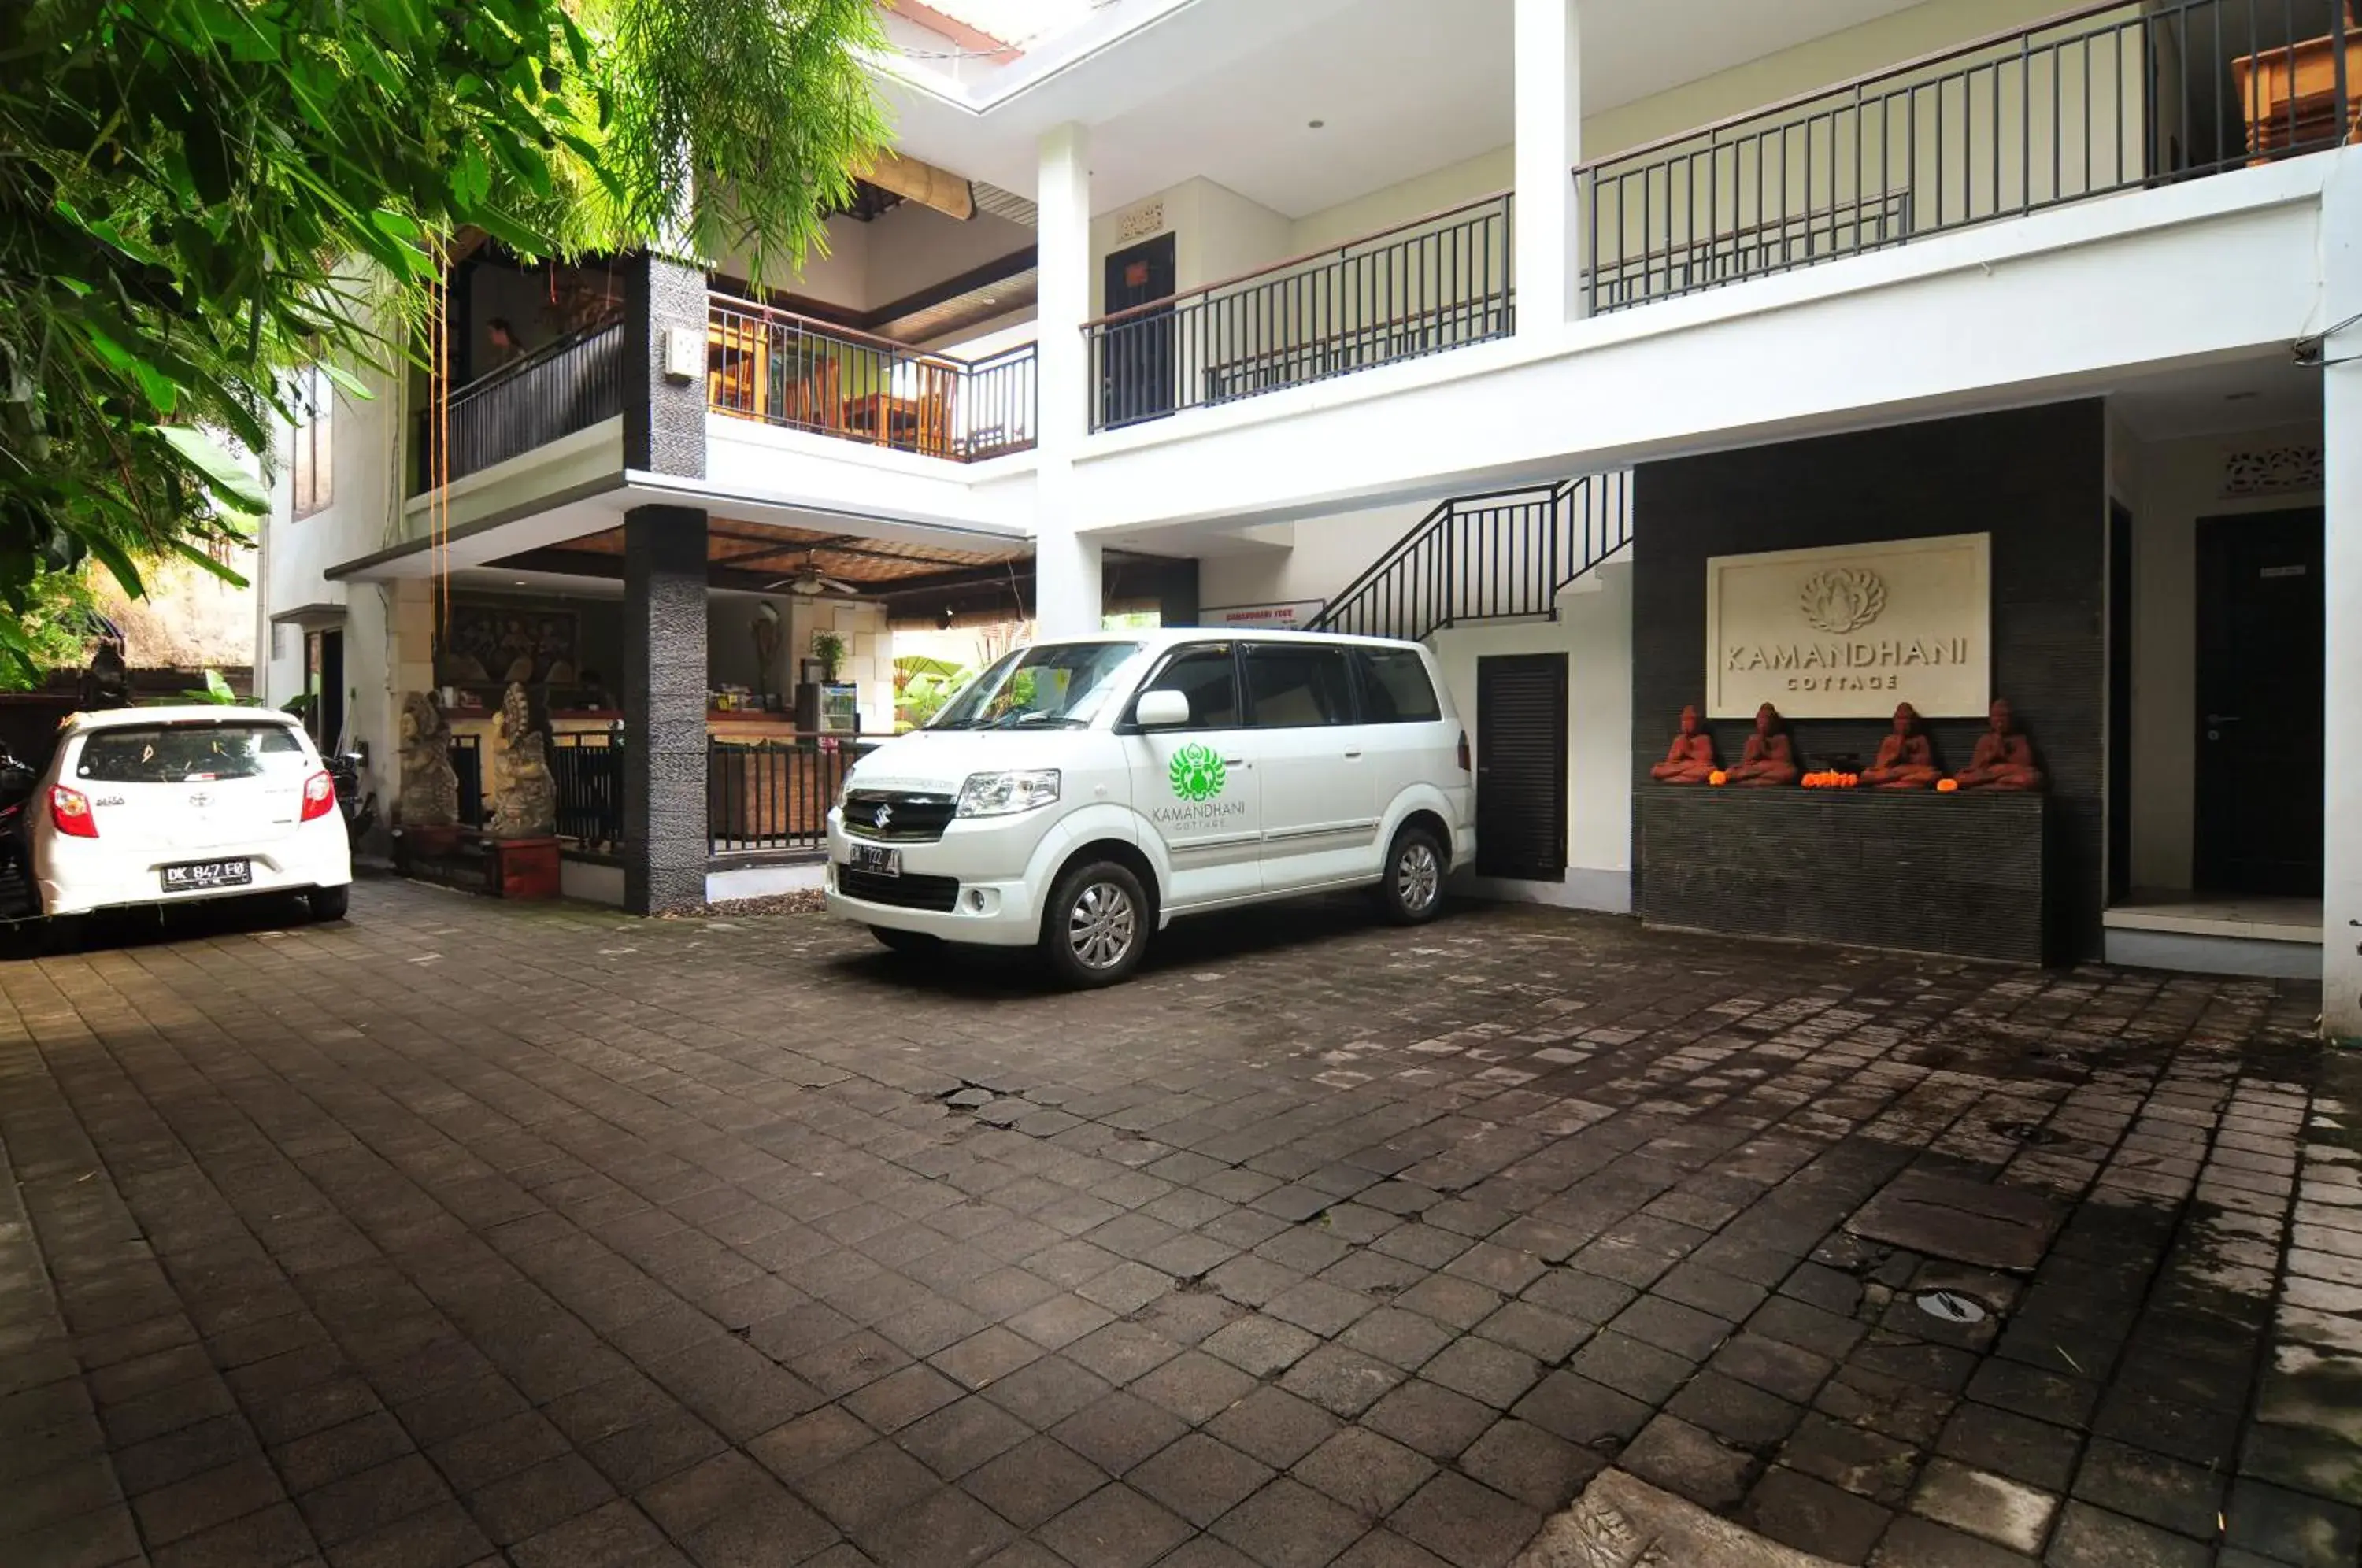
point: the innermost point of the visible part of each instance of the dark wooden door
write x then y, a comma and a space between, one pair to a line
1135, 368
2259, 693
1521, 741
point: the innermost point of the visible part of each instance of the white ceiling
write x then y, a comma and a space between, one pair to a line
2222, 397
1223, 89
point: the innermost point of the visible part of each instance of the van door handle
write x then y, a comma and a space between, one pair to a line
1352, 756
1235, 762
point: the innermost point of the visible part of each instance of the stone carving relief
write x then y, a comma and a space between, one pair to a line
2271, 470
1843, 599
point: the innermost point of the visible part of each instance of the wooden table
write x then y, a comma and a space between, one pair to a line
2290, 96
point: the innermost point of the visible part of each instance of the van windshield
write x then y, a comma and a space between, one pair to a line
1050, 685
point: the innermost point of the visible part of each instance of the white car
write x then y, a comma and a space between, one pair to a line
166, 805
1079, 795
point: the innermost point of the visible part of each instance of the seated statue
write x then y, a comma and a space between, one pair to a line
1905, 760
1768, 760
1690, 759
2003, 759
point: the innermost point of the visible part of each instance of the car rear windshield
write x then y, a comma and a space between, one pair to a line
187, 754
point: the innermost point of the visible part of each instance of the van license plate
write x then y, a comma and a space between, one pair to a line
885, 862
199, 873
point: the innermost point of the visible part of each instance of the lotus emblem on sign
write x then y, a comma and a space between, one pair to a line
884, 815
1842, 600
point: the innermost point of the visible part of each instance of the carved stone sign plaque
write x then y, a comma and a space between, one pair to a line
1849, 631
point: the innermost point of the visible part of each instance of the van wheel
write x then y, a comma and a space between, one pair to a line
1412, 892
329, 903
907, 943
1095, 925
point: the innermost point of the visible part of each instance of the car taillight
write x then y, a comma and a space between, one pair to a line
69, 813
319, 796
1463, 751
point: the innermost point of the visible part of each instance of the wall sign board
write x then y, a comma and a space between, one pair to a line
1848, 632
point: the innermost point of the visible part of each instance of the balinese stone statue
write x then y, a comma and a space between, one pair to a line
2003, 759
526, 805
1768, 760
1690, 759
430, 790
1905, 759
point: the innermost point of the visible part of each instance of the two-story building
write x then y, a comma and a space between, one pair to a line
1572, 335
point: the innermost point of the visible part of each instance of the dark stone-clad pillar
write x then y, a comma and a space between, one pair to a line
663, 414
665, 842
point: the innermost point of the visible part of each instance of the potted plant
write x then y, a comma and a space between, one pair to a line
829, 648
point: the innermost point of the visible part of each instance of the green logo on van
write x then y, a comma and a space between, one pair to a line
1197, 773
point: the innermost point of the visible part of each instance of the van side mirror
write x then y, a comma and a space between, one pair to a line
1161, 710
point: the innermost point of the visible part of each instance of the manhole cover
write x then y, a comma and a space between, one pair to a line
1951, 1307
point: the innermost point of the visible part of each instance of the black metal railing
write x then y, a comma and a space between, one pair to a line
467, 753
2102, 99
571, 385
788, 370
1500, 556
774, 795
1417, 289
586, 771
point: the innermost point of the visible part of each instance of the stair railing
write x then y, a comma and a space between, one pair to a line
1500, 555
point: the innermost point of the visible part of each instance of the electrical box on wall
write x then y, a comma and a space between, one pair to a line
684, 354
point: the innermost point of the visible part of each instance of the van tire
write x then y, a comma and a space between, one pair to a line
1095, 925
907, 943
1411, 891
329, 903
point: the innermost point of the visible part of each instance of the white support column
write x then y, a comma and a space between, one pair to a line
1548, 222
2341, 429
1066, 580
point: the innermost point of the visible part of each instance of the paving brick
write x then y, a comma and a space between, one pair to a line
1466, 1521
1201, 1478
1115, 1526
1692, 1463
1273, 1426
1367, 1473
1810, 1514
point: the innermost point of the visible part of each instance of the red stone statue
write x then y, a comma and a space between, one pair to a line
1768, 760
1690, 759
2003, 760
1905, 760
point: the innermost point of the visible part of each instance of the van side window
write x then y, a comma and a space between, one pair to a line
1298, 684
1395, 688
1206, 675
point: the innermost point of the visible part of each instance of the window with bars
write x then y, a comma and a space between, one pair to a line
312, 443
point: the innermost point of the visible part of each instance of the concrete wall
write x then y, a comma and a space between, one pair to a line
2172, 485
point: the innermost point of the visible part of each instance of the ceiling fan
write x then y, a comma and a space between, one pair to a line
807, 580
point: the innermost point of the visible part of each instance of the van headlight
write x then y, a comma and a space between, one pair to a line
1006, 794
844, 789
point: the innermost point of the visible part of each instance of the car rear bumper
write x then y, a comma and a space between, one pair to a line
73, 884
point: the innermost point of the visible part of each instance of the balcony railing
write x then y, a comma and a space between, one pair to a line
571, 385
790, 370
1417, 289
2107, 98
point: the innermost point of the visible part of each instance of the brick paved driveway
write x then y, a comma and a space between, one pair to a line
464, 1229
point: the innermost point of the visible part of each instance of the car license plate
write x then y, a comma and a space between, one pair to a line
199, 873
884, 862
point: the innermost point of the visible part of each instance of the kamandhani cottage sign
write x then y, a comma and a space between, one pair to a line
1849, 631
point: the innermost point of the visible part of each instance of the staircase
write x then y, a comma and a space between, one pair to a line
1499, 556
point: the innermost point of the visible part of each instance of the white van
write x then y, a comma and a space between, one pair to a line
1078, 795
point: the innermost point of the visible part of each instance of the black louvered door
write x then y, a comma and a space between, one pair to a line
1521, 767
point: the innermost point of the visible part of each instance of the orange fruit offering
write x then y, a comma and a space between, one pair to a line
1947, 786
1717, 778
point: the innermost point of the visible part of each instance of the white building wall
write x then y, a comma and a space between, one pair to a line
1595, 631
2175, 483
369, 454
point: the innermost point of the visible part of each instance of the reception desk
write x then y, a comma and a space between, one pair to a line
1955, 874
